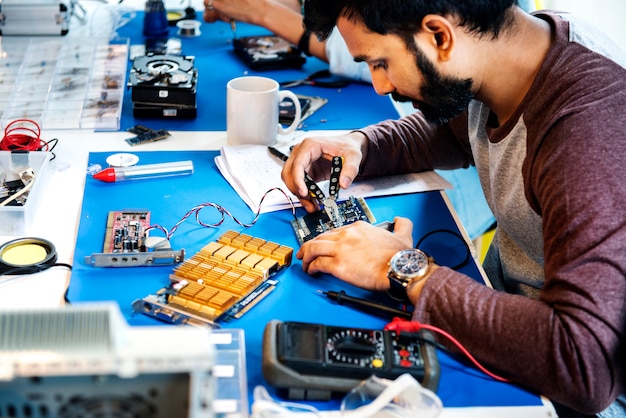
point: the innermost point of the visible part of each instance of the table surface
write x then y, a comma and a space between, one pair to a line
73, 224
296, 297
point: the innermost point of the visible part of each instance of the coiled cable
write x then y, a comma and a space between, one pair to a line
23, 135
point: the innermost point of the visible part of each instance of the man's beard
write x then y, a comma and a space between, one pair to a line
443, 98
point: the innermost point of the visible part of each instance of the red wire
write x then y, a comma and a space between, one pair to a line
18, 136
399, 325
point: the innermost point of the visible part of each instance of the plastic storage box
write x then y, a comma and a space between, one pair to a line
15, 220
231, 385
63, 83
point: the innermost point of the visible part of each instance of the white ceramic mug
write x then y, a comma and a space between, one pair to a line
252, 111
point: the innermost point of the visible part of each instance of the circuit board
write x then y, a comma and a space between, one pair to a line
223, 280
313, 224
145, 135
127, 244
125, 231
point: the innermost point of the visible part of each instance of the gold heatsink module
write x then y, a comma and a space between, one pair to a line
224, 279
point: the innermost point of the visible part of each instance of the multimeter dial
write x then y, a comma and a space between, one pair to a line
355, 347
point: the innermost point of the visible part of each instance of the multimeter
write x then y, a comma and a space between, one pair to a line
315, 362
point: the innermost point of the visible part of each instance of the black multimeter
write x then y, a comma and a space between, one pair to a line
314, 362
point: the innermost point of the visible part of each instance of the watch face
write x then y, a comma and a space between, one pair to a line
408, 264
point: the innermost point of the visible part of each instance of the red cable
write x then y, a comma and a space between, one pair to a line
18, 136
400, 325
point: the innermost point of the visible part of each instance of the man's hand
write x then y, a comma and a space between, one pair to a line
314, 155
358, 253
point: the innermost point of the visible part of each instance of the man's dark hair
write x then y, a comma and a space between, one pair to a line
404, 17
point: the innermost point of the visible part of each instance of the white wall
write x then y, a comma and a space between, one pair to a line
607, 15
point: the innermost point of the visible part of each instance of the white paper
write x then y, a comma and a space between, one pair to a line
252, 171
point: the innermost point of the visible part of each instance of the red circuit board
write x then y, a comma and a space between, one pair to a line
126, 231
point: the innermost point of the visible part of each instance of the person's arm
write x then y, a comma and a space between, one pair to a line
411, 144
282, 19
313, 156
407, 145
574, 331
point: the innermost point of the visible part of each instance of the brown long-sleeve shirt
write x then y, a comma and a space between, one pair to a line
555, 178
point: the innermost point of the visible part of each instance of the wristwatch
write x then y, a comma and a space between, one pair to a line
405, 268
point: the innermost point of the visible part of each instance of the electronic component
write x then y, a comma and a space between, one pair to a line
137, 259
287, 109
333, 214
145, 135
313, 224
27, 173
84, 360
126, 231
314, 361
164, 86
225, 278
267, 52
308, 104
139, 129
164, 111
15, 192
126, 243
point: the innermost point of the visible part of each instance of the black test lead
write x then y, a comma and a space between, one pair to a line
366, 305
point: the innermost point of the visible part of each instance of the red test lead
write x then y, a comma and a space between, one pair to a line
147, 171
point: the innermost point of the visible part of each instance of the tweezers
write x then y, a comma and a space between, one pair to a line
328, 203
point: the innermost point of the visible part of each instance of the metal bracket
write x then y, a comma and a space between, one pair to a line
136, 259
